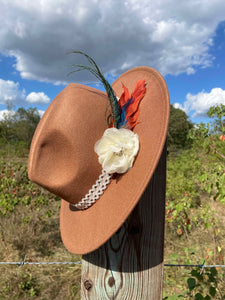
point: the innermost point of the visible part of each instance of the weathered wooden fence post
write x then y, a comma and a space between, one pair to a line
130, 265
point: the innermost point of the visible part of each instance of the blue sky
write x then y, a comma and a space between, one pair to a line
184, 40
203, 80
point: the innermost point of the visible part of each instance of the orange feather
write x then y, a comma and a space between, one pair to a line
132, 103
124, 97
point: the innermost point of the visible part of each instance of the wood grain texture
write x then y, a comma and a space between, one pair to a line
130, 265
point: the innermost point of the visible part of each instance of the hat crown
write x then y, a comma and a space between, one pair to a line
62, 157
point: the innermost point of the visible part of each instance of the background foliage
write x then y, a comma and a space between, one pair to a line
19, 126
179, 126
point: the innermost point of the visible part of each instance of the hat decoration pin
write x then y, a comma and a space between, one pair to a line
119, 145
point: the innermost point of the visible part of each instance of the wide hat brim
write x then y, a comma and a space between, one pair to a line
86, 230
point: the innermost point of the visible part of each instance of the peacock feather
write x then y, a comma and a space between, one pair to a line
114, 119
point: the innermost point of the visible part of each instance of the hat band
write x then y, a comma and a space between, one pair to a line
95, 192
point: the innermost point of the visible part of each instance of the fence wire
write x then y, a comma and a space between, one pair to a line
24, 262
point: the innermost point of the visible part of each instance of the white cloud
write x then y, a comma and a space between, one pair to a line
10, 92
200, 103
37, 98
5, 112
169, 35
178, 105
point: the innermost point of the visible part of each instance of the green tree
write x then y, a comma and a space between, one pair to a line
19, 126
179, 126
26, 122
199, 136
217, 112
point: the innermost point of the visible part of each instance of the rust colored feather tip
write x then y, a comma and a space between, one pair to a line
130, 105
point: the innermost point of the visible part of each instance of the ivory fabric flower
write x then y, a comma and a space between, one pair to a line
117, 150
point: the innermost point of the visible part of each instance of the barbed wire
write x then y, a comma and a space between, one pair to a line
200, 266
24, 262
41, 263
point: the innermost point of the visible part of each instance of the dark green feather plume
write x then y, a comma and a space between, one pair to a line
94, 69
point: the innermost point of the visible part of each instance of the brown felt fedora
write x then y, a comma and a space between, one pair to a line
62, 157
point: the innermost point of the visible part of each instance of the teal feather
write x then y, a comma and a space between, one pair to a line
94, 69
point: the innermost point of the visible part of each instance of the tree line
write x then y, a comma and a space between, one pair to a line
20, 126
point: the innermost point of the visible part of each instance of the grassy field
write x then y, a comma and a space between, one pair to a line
195, 230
